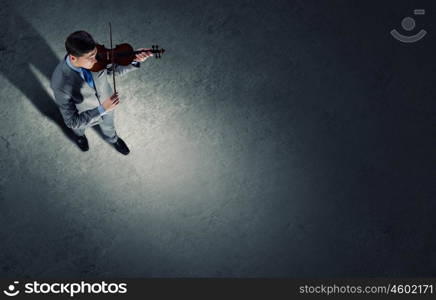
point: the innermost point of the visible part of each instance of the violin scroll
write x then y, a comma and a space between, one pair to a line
158, 52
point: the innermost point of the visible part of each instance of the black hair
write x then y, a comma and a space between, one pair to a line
79, 43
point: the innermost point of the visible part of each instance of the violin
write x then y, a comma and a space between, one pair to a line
122, 54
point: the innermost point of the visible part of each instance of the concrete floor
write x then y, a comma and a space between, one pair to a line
273, 139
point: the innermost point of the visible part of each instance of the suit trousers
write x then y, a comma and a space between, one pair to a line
107, 126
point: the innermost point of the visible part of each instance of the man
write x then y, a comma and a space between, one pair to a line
86, 98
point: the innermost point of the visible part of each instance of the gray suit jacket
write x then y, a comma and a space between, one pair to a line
77, 101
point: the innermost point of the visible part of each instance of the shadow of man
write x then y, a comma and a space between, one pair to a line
21, 46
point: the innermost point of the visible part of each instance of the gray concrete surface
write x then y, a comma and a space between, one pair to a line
273, 139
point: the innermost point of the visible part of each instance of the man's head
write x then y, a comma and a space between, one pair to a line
82, 49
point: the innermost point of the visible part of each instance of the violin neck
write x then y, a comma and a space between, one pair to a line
140, 51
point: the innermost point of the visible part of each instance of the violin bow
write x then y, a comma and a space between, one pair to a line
112, 57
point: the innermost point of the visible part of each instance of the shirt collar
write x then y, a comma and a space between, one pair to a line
67, 59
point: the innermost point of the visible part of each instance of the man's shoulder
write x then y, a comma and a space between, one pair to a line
62, 75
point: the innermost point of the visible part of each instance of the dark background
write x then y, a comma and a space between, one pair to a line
273, 139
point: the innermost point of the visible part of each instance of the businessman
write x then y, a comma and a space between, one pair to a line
86, 98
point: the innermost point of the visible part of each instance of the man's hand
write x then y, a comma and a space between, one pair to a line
111, 102
141, 57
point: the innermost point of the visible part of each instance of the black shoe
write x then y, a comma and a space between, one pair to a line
82, 142
121, 146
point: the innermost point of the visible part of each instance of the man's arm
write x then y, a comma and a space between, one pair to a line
122, 70
139, 57
69, 112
